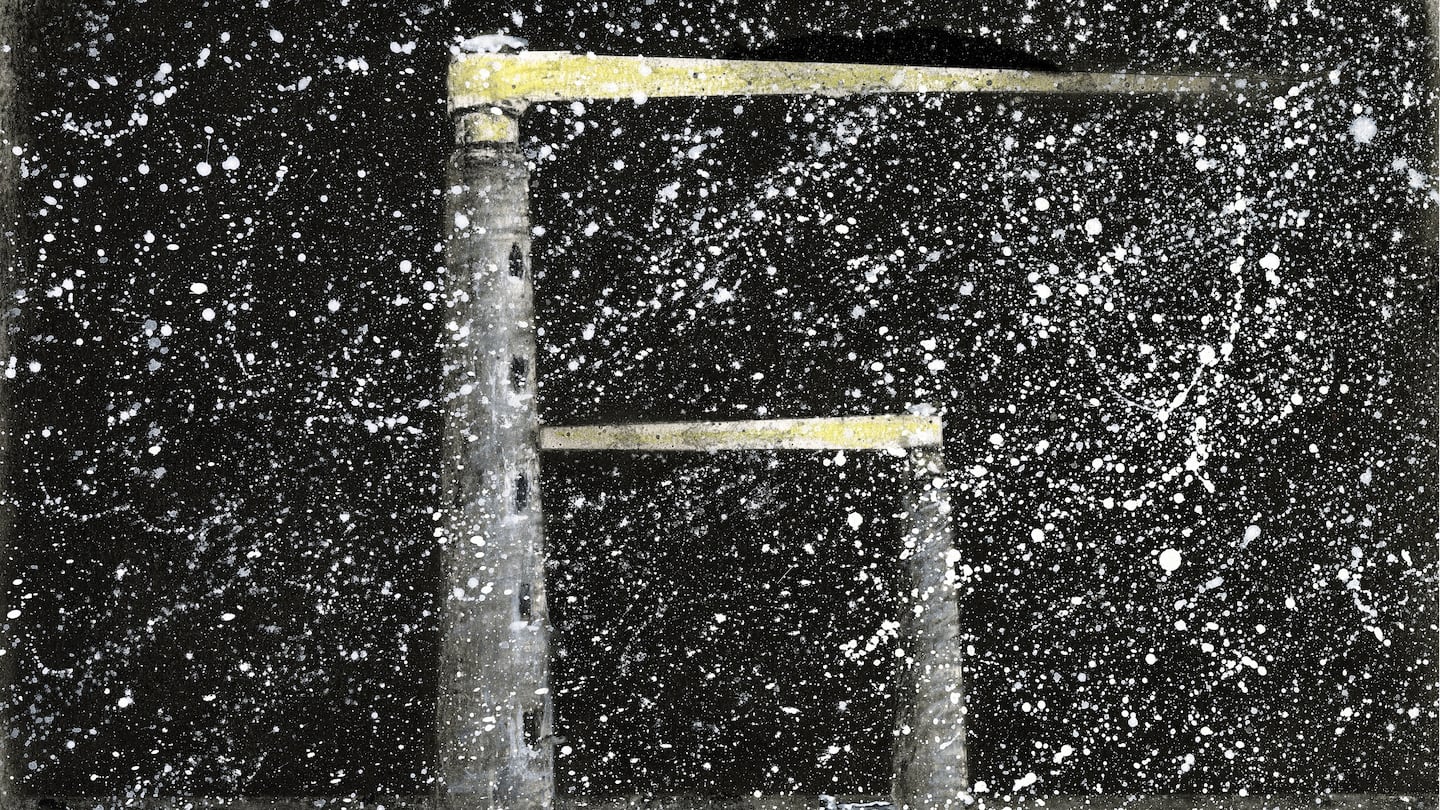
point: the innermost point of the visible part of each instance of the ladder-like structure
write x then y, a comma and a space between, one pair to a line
494, 708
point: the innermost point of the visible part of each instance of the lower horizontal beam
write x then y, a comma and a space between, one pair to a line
895, 432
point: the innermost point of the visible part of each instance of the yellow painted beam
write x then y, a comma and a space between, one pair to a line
834, 433
513, 80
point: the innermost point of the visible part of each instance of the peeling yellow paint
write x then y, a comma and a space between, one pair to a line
894, 432
511, 81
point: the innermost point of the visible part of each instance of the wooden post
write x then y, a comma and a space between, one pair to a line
494, 708
929, 755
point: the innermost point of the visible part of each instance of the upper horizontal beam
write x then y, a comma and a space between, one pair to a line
513, 80
834, 433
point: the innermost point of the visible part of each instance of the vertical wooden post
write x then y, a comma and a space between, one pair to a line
929, 756
494, 709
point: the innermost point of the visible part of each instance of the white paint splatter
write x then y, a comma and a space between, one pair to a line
1363, 129
1170, 559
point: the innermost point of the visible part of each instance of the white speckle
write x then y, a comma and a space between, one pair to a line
80, 180
199, 288
1042, 204
1042, 291
203, 169
34, 366
855, 519
333, 305
720, 618
591, 229
1207, 355
588, 333
1252, 533
143, 168
789, 710
1270, 261
1037, 535
227, 617
1026, 781
1366, 477
1065, 751
1363, 129
1169, 559
1150, 658
208, 314
231, 163
125, 702
276, 36
1093, 226
491, 43
997, 440
461, 221
13, 614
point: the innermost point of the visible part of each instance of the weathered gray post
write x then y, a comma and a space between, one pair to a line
929, 753
494, 709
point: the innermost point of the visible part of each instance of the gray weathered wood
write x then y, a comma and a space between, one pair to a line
929, 770
494, 709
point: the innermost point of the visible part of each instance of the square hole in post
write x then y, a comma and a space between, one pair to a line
724, 624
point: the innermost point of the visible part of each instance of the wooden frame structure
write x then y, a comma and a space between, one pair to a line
494, 712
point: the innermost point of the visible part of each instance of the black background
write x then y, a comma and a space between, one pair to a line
294, 496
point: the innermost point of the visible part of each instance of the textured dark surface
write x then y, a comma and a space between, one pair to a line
295, 497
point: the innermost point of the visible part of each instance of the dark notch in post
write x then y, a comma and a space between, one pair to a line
522, 602
517, 261
519, 373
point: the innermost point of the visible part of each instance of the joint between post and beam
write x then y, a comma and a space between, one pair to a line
893, 433
486, 126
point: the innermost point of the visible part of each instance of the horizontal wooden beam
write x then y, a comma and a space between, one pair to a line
833, 433
513, 80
